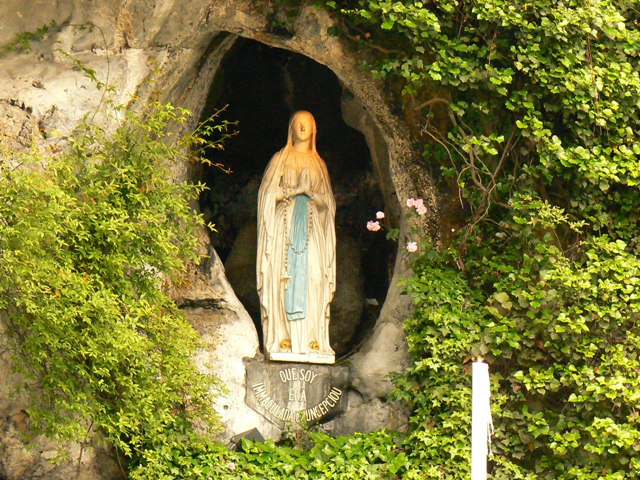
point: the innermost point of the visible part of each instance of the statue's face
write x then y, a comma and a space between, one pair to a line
302, 128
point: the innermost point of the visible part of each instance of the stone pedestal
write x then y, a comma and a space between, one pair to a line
324, 358
296, 393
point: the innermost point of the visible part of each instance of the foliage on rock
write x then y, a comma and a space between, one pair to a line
376, 456
88, 235
444, 328
528, 111
531, 111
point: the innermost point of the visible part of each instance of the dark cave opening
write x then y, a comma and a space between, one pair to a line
260, 87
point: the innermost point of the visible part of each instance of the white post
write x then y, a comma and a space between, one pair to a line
481, 423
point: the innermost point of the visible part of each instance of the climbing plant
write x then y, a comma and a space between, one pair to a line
529, 110
526, 111
89, 237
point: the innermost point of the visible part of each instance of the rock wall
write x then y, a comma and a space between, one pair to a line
170, 50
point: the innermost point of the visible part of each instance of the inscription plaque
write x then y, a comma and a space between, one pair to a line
296, 393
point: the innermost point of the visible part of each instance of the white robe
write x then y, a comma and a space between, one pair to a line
310, 334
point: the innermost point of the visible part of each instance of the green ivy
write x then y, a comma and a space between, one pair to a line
441, 334
530, 111
376, 456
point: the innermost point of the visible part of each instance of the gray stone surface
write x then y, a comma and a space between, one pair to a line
241, 268
229, 336
382, 353
385, 351
178, 45
17, 125
368, 417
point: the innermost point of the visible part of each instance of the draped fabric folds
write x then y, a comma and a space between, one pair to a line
310, 276
295, 298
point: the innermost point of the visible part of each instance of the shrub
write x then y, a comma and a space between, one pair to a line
88, 235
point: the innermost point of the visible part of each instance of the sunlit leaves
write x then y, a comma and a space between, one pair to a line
541, 139
87, 238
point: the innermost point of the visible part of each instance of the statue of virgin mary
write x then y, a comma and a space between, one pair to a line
296, 260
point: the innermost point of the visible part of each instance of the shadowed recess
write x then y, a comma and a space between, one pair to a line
260, 87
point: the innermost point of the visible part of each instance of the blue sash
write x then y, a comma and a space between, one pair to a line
295, 302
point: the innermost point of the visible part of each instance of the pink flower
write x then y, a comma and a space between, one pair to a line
418, 204
379, 215
373, 226
412, 247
